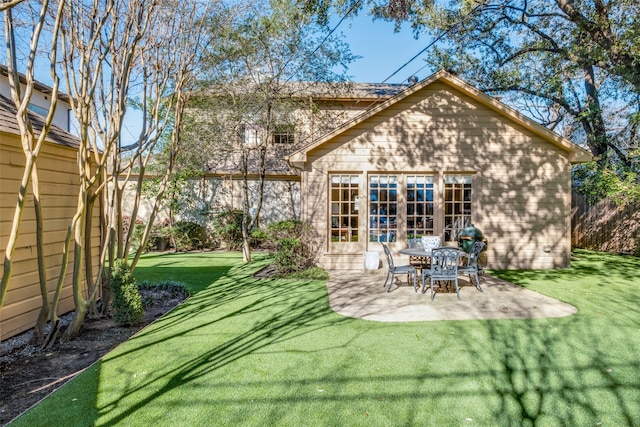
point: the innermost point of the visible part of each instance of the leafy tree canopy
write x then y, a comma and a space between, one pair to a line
572, 65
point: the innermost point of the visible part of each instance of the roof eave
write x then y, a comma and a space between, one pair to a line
297, 160
576, 154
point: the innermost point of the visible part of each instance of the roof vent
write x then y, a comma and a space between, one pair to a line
413, 80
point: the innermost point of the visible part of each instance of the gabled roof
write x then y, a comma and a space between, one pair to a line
9, 124
576, 153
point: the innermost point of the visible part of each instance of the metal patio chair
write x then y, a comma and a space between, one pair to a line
444, 267
409, 270
471, 267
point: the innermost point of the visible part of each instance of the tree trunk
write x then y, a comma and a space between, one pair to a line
597, 137
92, 286
43, 315
246, 200
80, 303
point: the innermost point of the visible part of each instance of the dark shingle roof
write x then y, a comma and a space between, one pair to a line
340, 91
347, 90
9, 124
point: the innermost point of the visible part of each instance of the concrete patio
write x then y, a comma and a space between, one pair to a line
360, 294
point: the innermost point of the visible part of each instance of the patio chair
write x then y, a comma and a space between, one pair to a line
444, 267
431, 242
414, 243
419, 262
471, 267
409, 270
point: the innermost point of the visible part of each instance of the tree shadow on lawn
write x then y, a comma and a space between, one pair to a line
567, 371
294, 309
578, 370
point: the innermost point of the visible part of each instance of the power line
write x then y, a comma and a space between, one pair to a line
434, 41
417, 55
351, 9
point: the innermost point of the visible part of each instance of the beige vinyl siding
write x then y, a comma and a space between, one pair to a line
57, 170
521, 184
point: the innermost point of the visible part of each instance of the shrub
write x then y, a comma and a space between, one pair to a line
294, 245
189, 235
169, 287
227, 225
136, 238
259, 239
311, 273
126, 302
186, 235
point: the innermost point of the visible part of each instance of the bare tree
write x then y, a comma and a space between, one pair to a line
178, 44
115, 50
32, 139
7, 5
95, 38
112, 50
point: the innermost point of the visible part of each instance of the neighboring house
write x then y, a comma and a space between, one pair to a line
41, 100
312, 110
320, 109
59, 185
432, 159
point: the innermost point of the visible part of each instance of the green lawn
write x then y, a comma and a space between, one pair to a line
243, 351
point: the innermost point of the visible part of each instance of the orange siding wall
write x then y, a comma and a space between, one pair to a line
59, 188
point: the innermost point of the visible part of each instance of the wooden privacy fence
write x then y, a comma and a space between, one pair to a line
605, 226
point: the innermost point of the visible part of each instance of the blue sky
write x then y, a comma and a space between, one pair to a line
383, 51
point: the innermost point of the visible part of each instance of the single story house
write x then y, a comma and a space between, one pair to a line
430, 160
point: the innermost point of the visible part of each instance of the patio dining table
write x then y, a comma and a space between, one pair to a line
425, 257
422, 254
417, 252
419, 256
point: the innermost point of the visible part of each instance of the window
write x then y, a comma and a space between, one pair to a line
412, 204
383, 208
283, 134
249, 134
38, 110
344, 208
420, 217
457, 205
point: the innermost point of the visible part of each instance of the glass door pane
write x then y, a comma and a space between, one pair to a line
344, 206
420, 218
457, 205
383, 208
